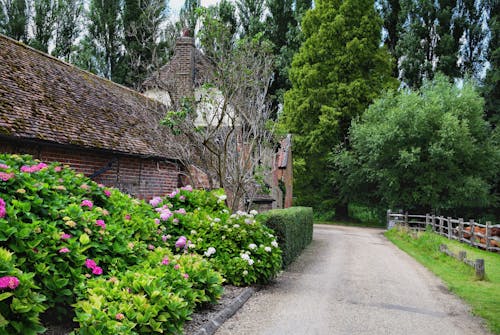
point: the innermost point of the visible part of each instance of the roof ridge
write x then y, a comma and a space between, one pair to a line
46, 55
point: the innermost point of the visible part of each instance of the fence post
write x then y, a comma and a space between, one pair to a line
460, 229
472, 237
440, 225
479, 266
433, 223
488, 234
407, 224
449, 227
388, 219
462, 255
427, 220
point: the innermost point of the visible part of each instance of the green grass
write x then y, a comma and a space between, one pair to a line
483, 296
352, 223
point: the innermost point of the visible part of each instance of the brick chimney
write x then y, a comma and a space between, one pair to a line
183, 67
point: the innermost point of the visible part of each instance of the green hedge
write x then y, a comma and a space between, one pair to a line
293, 227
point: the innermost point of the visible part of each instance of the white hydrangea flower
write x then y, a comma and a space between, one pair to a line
216, 220
193, 232
274, 244
225, 211
268, 249
245, 257
250, 261
233, 216
254, 212
245, 272
248, 221
223, 197
192, 246
236, 226
252, 246
210, 251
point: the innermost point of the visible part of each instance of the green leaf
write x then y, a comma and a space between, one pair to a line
6, 295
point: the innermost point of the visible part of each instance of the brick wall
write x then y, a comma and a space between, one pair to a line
139, 177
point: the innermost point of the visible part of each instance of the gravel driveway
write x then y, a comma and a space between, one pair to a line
353, 281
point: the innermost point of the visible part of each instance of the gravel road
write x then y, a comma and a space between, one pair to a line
353, 281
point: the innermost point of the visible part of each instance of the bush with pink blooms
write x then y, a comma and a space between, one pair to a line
239, 246
64, 231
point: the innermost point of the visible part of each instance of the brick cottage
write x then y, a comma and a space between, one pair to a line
57, 112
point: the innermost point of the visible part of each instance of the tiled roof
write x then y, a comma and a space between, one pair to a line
43, 98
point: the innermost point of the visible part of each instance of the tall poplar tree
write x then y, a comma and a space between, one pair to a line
106, 35
188, 16
68, 27
337, 73
46, 14
142, 23
491, 89
250, 13
14, 19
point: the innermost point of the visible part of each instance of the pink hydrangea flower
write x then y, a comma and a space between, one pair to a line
6, 176
64, 250
181, 242
188, 188
100, 223
127, 217
173, 194
177, 266
182, 198
119, 316
97, 270
57, 169
157, 221
164, 238
3, 166
165, 261
175, 221
185, 275
107, 193
9, 282
181, 211
2, 208
87, 203
155, 201
151, 247
84, 187
165, 215
89, 263
65, 236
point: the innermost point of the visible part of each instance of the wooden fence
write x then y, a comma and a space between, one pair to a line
486, 236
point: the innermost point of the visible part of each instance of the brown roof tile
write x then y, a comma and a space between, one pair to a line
44, 98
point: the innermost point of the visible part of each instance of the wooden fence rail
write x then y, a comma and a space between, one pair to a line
486, 236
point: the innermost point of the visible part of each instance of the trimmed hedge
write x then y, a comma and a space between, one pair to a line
293, 227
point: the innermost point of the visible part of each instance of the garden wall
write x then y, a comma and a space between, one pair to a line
140, 177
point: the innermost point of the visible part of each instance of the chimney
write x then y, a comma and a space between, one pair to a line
183, 66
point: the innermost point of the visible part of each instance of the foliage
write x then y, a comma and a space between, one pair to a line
157, 295
239, 246
67, 27
189, 16
491, 89
338, 71
293, 227
250, 14
14, 19
482, 296
65, 229
426, 150
20, 305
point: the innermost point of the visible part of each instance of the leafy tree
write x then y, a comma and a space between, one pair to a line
45, 16
219, 29
250, 13
14, 19
188, 16
142, 21
491, 89
67, 27
337, 73
105, 35
422, 151
283, 29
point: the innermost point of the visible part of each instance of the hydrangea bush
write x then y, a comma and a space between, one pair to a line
67, 236
238, 245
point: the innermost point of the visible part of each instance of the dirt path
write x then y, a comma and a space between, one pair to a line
353, 281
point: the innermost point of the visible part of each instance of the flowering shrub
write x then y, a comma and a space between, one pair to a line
68, 233
19, 304
157, 295
242, 249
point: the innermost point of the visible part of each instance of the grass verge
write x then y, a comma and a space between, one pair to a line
483, 296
